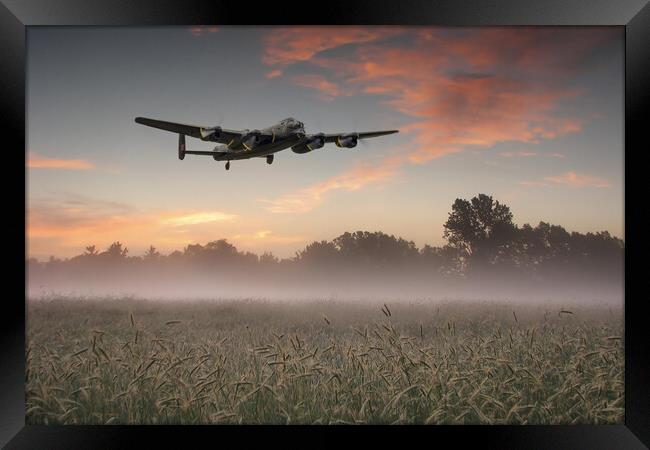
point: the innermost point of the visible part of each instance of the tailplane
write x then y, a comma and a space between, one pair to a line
181, 146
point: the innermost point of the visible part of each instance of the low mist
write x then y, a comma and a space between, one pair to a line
487, 257
297, 280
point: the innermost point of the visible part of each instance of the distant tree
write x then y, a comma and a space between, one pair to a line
596, 252
480, 234
549, 247
91, 250
432, 256
221, 247
318, 252
176, 255
453, 263
151, 254
115, 251
531, 249
482, 230
250, 258
85, 260
375, 247
268, 258
193, 251
219, 252
53, 261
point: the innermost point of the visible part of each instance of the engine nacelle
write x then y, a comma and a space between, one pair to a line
251, 139
314, 142
210, 134
347, 141
300, 149
181, 147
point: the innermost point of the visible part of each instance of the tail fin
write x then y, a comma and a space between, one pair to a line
181, 146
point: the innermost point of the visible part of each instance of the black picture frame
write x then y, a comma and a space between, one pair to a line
16, 15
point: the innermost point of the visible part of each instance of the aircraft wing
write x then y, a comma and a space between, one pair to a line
329, 138
212, 134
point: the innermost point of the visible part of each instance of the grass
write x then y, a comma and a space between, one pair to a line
125, 361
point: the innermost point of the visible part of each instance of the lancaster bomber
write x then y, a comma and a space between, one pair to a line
263, 143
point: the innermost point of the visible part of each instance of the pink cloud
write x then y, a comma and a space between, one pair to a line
286, 46
57, 226
199, 31
460, 90
42, 162
570, 179
517, 154
326, 88
533, 183
274, 73
579, 180
351, 180
528, 154
456, 87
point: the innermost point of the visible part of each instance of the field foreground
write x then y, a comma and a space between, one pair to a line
125, 361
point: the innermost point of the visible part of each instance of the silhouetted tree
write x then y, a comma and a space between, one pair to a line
268, 258
151, 253
480, 233
376, 248
115, 251
432, 256
175, 256
482, 230
249, 258
323, 252
221, 247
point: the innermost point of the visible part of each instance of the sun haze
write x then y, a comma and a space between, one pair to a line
532, 116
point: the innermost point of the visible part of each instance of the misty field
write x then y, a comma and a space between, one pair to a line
127, 361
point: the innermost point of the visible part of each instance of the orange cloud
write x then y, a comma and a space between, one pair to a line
65, 226
40, 162
517, 154
274, 73
552, 50
579, 180
286, 46
354, 179
527, 154
197, 218
468, 88
462, 89
267, 237
327, 89
198, 31
533, 183
572, 179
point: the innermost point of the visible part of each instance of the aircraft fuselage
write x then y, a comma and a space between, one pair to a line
283, 135
264, 143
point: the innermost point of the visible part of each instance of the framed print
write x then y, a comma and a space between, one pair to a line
405, 220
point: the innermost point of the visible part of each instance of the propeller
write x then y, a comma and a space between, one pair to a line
219, 119
355, 124
318, 125
209, 131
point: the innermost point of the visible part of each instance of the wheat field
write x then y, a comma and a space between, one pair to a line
130, 361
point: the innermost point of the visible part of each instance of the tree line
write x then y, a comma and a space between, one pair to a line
481, 238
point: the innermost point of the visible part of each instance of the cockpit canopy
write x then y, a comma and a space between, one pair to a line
293, 123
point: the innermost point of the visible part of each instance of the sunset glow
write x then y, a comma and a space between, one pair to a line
517, 113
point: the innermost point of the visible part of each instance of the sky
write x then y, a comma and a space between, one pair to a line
531, 116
